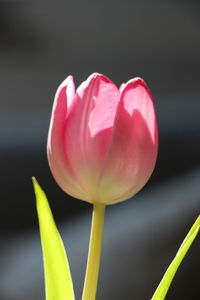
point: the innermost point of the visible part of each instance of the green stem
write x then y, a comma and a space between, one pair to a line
94, 254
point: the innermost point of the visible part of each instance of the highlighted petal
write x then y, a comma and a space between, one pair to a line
133, 150
89, 128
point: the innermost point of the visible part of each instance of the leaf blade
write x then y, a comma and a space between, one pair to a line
191, 231
164, 285
58, 282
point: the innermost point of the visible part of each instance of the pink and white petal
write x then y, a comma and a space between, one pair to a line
89, 128
58, 161
136, 96
133, 149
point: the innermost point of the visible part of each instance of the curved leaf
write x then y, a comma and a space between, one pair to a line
164, 285
58, 282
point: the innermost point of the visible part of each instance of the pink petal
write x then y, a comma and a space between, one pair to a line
89, 128
58, 161
133, 150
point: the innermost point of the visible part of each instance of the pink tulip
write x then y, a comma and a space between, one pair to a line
103, 141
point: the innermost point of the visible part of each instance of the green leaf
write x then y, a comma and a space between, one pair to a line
164, 285
58, 282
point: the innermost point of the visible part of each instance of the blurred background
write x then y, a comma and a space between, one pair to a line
41, 43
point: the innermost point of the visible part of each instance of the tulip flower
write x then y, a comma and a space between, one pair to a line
102, 148
103, 141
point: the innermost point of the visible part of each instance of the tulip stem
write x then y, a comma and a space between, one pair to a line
94, 253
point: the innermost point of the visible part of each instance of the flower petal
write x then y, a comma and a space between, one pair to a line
58, 161
133, 149
89, 127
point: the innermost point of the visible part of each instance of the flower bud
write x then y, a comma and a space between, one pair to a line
103, 141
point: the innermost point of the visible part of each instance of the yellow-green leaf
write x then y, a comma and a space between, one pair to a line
164, 285
58, 282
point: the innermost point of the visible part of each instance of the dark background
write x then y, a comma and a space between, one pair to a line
41, 43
